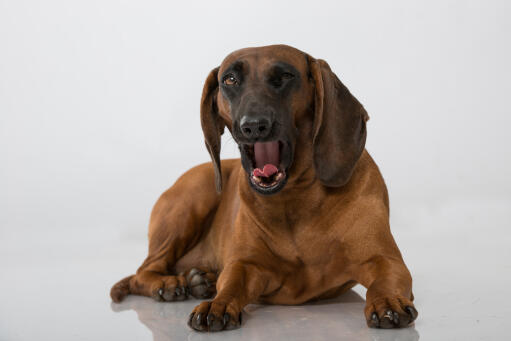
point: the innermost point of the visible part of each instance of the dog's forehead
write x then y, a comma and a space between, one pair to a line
264, 56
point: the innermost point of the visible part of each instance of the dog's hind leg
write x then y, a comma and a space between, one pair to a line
195, 282
178, 220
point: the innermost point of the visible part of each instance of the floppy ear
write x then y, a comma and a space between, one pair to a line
212, 124
339, 129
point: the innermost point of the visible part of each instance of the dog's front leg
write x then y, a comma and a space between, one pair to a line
389, 293
239, 284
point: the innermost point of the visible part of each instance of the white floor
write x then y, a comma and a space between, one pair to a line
458, 253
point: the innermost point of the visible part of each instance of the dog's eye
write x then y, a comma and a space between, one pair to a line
278, 80
230, 80
287, 75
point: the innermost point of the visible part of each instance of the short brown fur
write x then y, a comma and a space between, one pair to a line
326, 231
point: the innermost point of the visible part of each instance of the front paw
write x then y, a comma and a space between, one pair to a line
390, 312
215, 316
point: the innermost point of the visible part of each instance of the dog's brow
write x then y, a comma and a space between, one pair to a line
281, 66
237, 66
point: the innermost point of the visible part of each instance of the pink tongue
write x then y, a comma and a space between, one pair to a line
267, 158
267, 171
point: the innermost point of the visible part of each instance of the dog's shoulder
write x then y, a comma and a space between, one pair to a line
367, 179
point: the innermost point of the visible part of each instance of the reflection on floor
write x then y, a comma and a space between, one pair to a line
55, 287
340, 318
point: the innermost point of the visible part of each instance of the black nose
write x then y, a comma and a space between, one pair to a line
255, 127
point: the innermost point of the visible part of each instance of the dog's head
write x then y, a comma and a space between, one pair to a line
269, 96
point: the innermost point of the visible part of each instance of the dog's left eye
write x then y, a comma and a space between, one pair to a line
279, 80
230, 80
287, 75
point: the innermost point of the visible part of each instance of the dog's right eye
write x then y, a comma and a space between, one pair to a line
287, 75
230, 80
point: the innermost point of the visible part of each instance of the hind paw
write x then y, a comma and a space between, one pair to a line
201, 284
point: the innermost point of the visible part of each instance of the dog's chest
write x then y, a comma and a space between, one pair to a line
309, 248
301, 240
308, 266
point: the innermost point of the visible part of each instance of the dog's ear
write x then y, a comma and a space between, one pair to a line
212, 124
339, 129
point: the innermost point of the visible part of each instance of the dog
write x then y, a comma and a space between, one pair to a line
302, 216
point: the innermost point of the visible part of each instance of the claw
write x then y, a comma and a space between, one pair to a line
227, 318
396, 318
387, 320
215, 323
375, 320
412, 312
209, 319
198, 319
231, 323
190, 318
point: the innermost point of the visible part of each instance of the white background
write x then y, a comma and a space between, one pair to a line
99, 113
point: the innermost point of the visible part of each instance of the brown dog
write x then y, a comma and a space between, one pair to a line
303, 215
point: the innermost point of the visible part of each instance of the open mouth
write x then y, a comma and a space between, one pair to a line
267, 175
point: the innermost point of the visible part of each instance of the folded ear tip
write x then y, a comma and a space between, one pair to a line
338, 180
218, 186
365, 115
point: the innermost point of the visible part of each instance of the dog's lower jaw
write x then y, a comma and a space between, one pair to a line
268, 190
